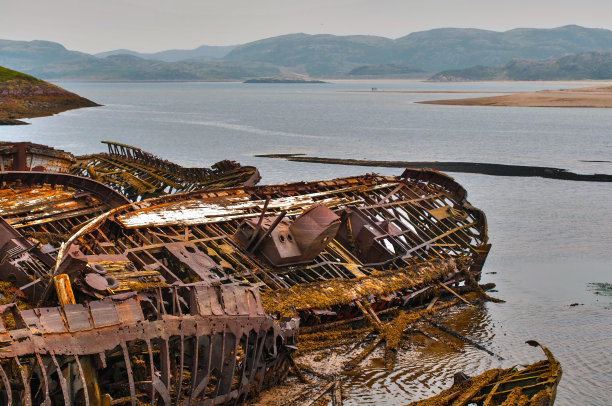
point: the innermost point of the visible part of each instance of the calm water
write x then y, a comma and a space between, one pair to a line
550, 238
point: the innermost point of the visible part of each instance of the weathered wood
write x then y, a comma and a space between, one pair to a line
337, 394
318, 396
454, 293
461, 337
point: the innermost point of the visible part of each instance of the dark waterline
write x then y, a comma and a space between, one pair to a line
462, 167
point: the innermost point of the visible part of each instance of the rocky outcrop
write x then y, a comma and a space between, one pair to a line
24, 96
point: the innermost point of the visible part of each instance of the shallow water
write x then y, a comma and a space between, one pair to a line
550, 238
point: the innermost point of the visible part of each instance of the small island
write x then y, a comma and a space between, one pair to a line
24, 96
281, 80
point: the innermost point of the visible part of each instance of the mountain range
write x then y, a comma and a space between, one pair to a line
312, 55
175, 55
587, 65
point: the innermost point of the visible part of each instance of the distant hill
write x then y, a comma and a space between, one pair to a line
50, 60
433, 50
586, 65
457, 48
317, 55
24, 96
175, 55
32, 56
314, 55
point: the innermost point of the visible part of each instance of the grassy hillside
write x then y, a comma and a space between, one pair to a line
9, 74
455, 48
586, 65
31, 56
24, 96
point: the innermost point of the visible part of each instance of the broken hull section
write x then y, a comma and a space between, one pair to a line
27, 156
534, 384
138, 174
39, 211
381, 227
141, 349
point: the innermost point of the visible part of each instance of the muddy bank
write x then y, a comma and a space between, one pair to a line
462, 167
600, 97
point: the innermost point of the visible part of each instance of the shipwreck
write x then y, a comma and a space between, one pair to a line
111, 297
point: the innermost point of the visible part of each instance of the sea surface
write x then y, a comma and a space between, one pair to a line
551, 238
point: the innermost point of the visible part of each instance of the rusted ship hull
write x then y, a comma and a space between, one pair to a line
195, 298
129, 170
134, 349
27, 156
39, 211
298, 239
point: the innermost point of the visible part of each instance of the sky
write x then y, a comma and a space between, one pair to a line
154, 25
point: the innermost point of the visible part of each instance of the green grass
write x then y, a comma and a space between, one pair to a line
7, 74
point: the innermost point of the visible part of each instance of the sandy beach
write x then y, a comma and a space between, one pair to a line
599, 96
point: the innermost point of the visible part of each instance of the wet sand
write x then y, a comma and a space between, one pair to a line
599, 97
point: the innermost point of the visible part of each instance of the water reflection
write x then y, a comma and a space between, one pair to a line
424, 366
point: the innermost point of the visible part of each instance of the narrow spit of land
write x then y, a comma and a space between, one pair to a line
463, 167
598, 97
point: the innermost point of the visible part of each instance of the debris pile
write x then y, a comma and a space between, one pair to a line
534, 384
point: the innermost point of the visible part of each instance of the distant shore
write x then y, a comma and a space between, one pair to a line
432, 91
596, 97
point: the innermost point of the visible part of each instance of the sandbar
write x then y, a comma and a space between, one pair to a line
599, 97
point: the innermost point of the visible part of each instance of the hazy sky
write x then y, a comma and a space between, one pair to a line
153, 25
